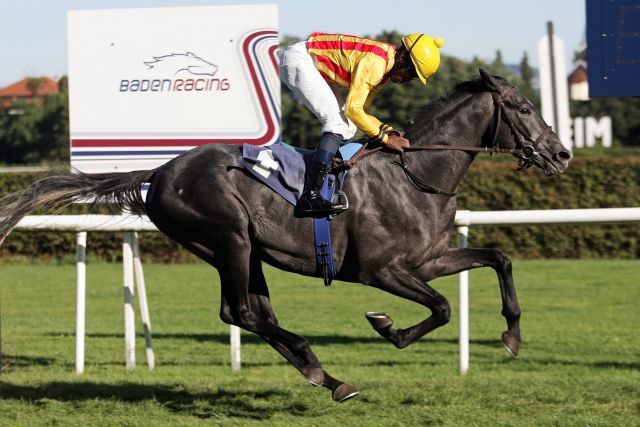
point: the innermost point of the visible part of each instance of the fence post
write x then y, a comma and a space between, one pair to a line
129, 317
234, 332
463, 286
142, 300
81, 291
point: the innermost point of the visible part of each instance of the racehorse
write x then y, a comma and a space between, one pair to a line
394, 237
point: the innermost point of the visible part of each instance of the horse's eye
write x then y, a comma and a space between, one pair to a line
525, 110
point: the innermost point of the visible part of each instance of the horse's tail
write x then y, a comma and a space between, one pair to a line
118, 191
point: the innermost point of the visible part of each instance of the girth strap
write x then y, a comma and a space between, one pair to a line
322, 239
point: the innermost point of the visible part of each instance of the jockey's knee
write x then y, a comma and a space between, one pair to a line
327, 147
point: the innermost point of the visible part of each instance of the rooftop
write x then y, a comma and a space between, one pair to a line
27, 87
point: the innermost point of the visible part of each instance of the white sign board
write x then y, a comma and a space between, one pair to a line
146, 85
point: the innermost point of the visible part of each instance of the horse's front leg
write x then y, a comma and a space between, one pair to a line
456, 260
399, 282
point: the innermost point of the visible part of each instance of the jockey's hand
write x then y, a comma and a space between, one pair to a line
397, 142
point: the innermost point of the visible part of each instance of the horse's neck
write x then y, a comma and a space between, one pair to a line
461, 122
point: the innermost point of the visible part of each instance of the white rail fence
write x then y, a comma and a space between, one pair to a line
466, 219
132, 268
130, 225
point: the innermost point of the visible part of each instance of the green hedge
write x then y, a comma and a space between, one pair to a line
590, 182
490, 184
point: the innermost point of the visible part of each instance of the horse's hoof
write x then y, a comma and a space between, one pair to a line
511, 343
314, 375
378, 319
344, 392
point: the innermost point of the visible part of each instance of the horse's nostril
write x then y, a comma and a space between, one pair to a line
562, 156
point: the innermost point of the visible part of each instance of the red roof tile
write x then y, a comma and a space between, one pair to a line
578, 75
49, 86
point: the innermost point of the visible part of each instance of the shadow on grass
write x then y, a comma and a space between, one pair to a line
602, 364
248, 338
21, 361
232, 403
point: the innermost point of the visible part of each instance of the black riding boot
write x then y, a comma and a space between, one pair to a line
311, 203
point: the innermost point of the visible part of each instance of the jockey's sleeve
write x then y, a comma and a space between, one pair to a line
363, 87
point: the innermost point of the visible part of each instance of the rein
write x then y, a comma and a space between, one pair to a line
525, 152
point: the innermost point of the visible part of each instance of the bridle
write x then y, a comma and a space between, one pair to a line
526, 145
525, 149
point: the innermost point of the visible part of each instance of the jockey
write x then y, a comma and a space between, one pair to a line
315, 70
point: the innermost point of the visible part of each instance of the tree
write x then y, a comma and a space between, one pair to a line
34, 84
525, 70
39, 134
526, 74
498, 60
20, 133
299, 127
54, 125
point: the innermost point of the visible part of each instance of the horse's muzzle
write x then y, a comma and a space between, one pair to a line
561, 160
556, 163
563, 157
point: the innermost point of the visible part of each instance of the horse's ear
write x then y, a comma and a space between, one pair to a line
491, 82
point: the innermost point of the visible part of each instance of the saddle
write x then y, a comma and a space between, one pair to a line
282, 168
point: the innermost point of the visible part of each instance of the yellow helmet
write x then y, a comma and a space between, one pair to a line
425, 54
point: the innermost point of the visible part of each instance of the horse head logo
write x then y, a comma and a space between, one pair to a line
178, 62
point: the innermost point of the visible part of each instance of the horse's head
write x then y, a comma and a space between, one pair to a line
526, 130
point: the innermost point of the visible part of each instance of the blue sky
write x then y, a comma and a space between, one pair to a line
33, 39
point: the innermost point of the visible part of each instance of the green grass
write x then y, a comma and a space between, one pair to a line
579, 363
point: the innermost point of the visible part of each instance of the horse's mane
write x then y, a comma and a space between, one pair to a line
426, 114
476, 85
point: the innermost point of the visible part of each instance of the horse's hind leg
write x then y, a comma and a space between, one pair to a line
456, 260
246, 304
224, 243
260, 302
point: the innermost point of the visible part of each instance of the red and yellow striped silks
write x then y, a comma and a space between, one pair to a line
337, 55
362, 65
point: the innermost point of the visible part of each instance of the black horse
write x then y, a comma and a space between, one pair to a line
395, 236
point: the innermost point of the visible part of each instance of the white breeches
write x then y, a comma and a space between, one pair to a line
299, 73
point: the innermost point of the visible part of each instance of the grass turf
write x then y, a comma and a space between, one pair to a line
579, 362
